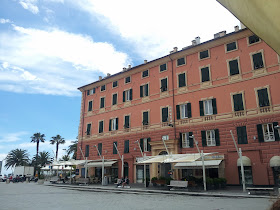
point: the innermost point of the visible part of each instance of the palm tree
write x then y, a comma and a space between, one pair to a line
37, 138
57, 140
65, 158
16, 157
44, 158
73, 149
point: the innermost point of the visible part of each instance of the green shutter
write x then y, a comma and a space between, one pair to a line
214, 104
201, 108
276, 133
238, 102
149, 146
233, 67
180, 141
110, 125
147, 89
217, 137
145, 118
189, 108
142, 144
123, 96
239, 135
191, 139
141, 91
114, 148
130, 95
205, 74
101, 127
178, 112
117, 123
260, 133
164, 112
203, 137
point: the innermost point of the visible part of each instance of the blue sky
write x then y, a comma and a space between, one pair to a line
49, 48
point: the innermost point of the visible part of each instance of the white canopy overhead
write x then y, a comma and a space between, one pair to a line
198, 164
246, 161
56, 168
274, 161
170, 158
99, 164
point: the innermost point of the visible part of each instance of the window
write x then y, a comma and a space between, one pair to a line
127, 95
233, 67
163, 85
87, 151
163, 67
263, 97
145, 73
181, 61
253, 39
126, 146
101, 127
208, 107
204, 54
102, 102
186, 140
164, 114
115, 84
100, 148
258, 60
127, 121
210, 138
231, 46
145, 144
145, 118
127, 80
184, 111
88, 129
144, 90
205, 75
91, 91
182, 80
165, 137
242, 135
267, 132
114, 147
89, 106
238, 102
103, 88
113, 124
114, 99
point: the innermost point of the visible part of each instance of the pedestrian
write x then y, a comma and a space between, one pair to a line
125, 182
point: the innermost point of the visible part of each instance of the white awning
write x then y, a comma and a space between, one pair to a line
176, 158
198, 164
99, 164
274, 161
55, 168
246, 161
69, 162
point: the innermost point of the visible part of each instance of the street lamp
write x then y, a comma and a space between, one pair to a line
143, 155
102, 158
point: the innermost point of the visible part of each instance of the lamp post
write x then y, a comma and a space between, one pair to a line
102, 159
121, 157
85, 162
70, 168
239, 152
143, 155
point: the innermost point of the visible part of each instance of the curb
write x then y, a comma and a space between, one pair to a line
138, 191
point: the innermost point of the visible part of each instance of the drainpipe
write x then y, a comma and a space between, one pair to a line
173, 97
84, 99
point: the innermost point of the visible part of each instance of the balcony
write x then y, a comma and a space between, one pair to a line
239, 113
265, 109
208, 118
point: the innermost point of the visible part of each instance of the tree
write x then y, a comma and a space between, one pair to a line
16, 157
37, 138
72, 149
57, 140
64, 158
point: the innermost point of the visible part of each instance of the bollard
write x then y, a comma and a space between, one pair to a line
7, 181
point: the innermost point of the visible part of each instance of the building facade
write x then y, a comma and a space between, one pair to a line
205, 90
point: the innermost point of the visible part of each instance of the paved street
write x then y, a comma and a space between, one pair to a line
34, 196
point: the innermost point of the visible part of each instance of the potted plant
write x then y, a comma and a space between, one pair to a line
223, 182
161, 180
209, 183
216, 182
154, 181
167, 181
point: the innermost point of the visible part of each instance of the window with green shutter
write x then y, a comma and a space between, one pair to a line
102, 102
145, 73
145, 118
238, 102
126, 146
127, 121
181, 61
205, 75
163, 67
263, 97
253, 39
204, 54
231, 46
182, 80
127, 80
100, 148
144, 90
114, 147
242, 135
163, 85
233, 67
115, 84
101, 129
114, 101
258, 60
88, 129
87, 151
90, 106
103, 88
164, 114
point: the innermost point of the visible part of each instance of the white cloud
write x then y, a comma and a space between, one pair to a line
12, 137
3, 21
53, 61
30, 5
155, 27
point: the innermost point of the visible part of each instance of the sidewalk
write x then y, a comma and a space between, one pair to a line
230, 191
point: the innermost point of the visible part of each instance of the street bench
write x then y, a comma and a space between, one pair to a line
82, 181
177, 184
260, 190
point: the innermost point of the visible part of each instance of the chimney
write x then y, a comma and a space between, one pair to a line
108, 74
236, 28
197, 39
193, 42
220, 34
145, 61
129, 66
124, 69
175, 49
100, 78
